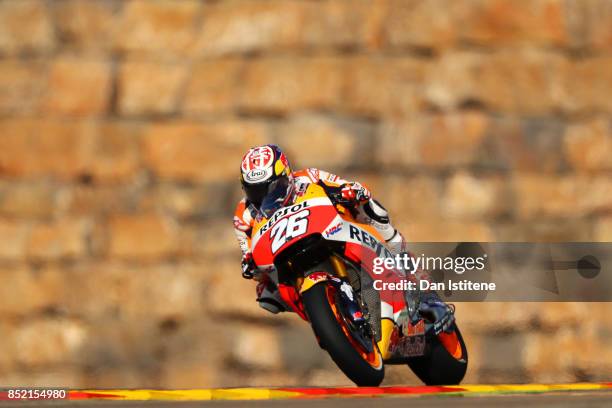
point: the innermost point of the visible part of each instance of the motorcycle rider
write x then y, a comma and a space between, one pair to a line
265, 172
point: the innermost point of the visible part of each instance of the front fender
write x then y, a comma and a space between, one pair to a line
313, 279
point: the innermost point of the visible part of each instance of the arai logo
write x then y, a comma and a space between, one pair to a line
256, 175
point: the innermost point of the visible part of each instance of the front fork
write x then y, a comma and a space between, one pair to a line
347, 296
350, 308
346, 291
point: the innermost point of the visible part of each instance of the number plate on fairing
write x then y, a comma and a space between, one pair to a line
288, 224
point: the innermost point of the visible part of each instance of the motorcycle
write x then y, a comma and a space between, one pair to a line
320, 258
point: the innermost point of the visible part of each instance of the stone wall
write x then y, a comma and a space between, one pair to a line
122, 124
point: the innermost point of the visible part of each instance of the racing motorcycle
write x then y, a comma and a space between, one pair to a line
321, 258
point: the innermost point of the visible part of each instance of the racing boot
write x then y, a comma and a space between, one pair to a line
439, 316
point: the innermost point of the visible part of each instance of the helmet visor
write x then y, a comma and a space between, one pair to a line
276, 197
255, 193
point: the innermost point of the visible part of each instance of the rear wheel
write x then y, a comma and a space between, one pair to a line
445, 363
363, 365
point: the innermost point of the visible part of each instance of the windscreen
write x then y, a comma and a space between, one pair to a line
278, 191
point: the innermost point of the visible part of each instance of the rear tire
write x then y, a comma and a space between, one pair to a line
333, 339
439, 367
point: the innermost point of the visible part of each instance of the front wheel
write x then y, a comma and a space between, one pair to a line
336, 335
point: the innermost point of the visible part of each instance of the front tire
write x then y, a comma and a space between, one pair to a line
364, 369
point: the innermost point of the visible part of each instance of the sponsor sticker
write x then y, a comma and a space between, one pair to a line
333, 230
409, 346
417, 329
317, 277
256, 175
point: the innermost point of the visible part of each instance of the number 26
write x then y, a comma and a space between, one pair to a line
289, 228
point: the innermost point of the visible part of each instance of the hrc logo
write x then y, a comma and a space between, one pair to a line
333, 230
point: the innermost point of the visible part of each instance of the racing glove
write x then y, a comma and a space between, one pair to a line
248, 266
351, 194
439, 315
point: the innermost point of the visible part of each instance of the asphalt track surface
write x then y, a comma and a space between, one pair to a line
509, 395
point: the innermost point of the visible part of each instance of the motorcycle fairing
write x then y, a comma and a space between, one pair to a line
362, 245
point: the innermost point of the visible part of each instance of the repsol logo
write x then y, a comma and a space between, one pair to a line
367, 239
281, 213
